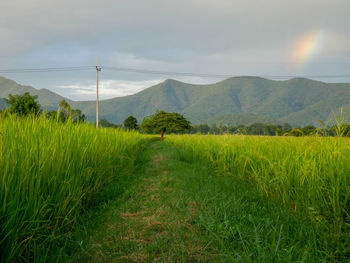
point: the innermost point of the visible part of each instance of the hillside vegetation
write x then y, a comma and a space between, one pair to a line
242, 118
235, 101
47, 99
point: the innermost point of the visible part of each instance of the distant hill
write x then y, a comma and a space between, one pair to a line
46, 98
238, 100
298, 101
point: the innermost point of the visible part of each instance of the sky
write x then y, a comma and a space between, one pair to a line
241, 37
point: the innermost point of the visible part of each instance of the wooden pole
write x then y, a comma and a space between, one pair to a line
97, 70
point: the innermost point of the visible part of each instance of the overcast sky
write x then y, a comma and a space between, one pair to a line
241, 37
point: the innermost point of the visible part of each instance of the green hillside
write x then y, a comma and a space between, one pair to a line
298, 101
46, 98
239, 100
242, 118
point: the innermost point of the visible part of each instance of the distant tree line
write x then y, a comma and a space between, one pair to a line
255, 129
26, 104
175, 123
273, 130
172, 122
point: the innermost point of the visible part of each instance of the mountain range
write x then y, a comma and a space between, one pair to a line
234, 101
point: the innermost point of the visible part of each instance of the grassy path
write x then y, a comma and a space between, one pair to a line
175, 209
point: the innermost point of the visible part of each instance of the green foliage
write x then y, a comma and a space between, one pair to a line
104, 123
23, 104
342, 126
202, 128
130, 123
171, 122
309, 130
65, 113
242, 118
50, 174
296, 132
278, 132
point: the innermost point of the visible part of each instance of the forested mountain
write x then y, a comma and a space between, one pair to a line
234, 101
242, 118
46, 98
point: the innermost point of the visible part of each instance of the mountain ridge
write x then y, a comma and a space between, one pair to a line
299, 101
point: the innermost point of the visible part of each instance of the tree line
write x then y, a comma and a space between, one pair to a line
26, 104
172, 122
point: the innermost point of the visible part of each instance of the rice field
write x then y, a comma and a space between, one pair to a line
308, 175
50, 173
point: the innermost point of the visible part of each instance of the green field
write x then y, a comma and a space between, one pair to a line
50, 174
69, 192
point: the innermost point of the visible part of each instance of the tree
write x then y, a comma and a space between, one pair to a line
308, 130
296, 132
130, 123
256, 128
23, 104
65, 109
78, 116
66, 112
278, 132
163, 121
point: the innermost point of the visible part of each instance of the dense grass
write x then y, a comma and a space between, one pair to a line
310, 175
50, 174
179, 210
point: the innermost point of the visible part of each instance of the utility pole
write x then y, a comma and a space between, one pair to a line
97, 70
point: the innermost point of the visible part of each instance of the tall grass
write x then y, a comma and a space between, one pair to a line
49, 174
310, 174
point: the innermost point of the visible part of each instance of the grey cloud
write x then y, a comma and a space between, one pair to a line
222, 36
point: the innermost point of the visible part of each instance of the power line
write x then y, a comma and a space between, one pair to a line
205, 75
158, 72
165, 73
40, 70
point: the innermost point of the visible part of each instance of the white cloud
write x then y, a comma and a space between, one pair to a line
107, 89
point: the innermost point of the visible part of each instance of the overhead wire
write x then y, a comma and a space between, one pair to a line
160, 72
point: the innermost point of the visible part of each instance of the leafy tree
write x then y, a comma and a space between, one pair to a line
296, 132
78, 116
65, 109
256, 128
308, 130
23, 104
163, 121
66, 112
286, 127
130, 123
52, 115
278, 132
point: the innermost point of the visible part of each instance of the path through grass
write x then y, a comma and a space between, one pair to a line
179, 210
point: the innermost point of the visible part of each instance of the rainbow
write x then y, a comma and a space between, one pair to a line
305, 47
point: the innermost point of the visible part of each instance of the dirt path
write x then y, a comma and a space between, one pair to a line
176, 208
154, 224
